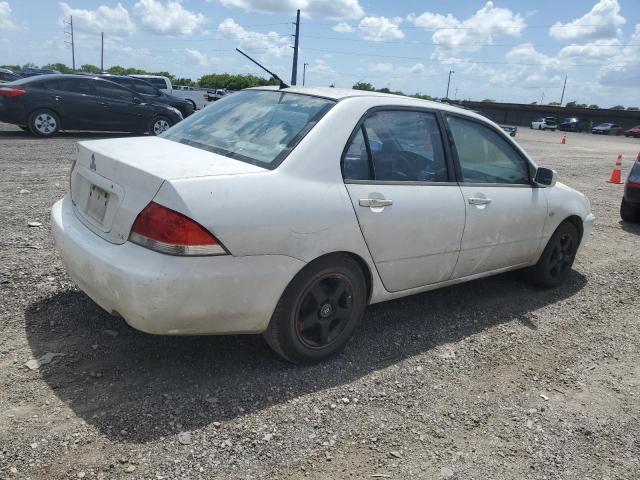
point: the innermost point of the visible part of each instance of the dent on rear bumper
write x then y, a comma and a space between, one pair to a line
168, 295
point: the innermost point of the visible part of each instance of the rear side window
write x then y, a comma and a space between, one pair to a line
398, 146
75, 85
144, 88
112, 91
484, 156
157, 82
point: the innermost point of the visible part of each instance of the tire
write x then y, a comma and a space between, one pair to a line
44, 123
556, 260
158, 124
629, 213
539, 127
318, 311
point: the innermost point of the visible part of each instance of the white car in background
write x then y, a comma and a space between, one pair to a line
196, 96
546, 123
287, 211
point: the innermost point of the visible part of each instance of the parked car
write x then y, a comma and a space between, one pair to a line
546, 123
633, 132
47, 104
607, 129
574, 124
217, 94
197, 97
7, 75
149, 92
510, 129
245, 219
630, 207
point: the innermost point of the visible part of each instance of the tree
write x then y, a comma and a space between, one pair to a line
422, 96
234, 81
88, 68
488, 100
594, 106
554, 104
61, 67
617, 107
632, 109
363, 86
13, 68
183, 81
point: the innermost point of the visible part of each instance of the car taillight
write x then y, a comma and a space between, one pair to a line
164, 230
11, 92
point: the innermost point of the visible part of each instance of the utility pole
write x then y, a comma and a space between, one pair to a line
449, 83
563, 87
542, 98
101, 52
304, 72
72, 43
294, 71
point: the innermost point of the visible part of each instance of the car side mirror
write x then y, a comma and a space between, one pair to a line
545, 177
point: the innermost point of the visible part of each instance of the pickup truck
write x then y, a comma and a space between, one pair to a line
199, 98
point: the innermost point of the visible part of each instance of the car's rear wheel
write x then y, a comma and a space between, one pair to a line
556, 260
319, 310
629, 213
158, 125
193, 104
44, 123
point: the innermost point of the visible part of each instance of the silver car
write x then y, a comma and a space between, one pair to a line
286, 212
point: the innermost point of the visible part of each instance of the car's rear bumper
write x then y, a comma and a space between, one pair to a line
170, 295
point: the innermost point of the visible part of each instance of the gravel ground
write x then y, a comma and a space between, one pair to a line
493, 379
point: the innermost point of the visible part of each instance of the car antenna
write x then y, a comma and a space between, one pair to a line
282, 84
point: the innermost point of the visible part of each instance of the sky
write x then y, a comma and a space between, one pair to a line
506, 50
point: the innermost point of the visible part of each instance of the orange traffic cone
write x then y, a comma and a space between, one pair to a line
564, 139
616, 174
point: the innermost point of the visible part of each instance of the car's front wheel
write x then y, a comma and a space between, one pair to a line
319, 310
629, 213
158, 125
44, 123
556, 260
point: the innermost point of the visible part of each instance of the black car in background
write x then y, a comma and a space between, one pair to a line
46, 104
32, 72
574, 124
8, 75
148, 91
630, 207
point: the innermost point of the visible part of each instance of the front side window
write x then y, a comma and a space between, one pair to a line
484, 156
255, 126
405, 146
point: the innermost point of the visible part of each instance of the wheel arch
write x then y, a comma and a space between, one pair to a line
33, 110
576, 221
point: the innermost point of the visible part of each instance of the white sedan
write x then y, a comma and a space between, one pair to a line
286, 212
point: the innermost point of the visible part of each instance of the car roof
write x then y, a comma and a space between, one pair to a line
341, 94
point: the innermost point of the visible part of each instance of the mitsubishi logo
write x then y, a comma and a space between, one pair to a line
93, 162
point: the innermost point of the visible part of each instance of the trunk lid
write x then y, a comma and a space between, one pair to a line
113, 180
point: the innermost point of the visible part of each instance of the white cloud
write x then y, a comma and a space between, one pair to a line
321, 67
5, 17
602, 21
543, 72
271, 43
379, 29
381, 67
200, 58
454, 35
168, 17
417, 69
333, 9
114, 20
598, 50
342, 28
623, 69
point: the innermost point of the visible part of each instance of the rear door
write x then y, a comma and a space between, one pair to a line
117, 109
505, 211
75, 101
410, 210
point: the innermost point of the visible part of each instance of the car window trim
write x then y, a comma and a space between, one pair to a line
458, 169
407, 108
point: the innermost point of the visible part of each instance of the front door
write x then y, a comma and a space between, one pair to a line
411, 215
117, 110
505, 211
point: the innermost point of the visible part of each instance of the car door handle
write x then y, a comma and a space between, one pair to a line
375, 202
57, 98
104, 104
479, 201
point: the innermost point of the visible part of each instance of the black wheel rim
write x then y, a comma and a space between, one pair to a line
324, 310
561, 257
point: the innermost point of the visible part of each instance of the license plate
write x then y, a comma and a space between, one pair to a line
97, 203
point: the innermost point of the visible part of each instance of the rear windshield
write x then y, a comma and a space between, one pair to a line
255, 126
